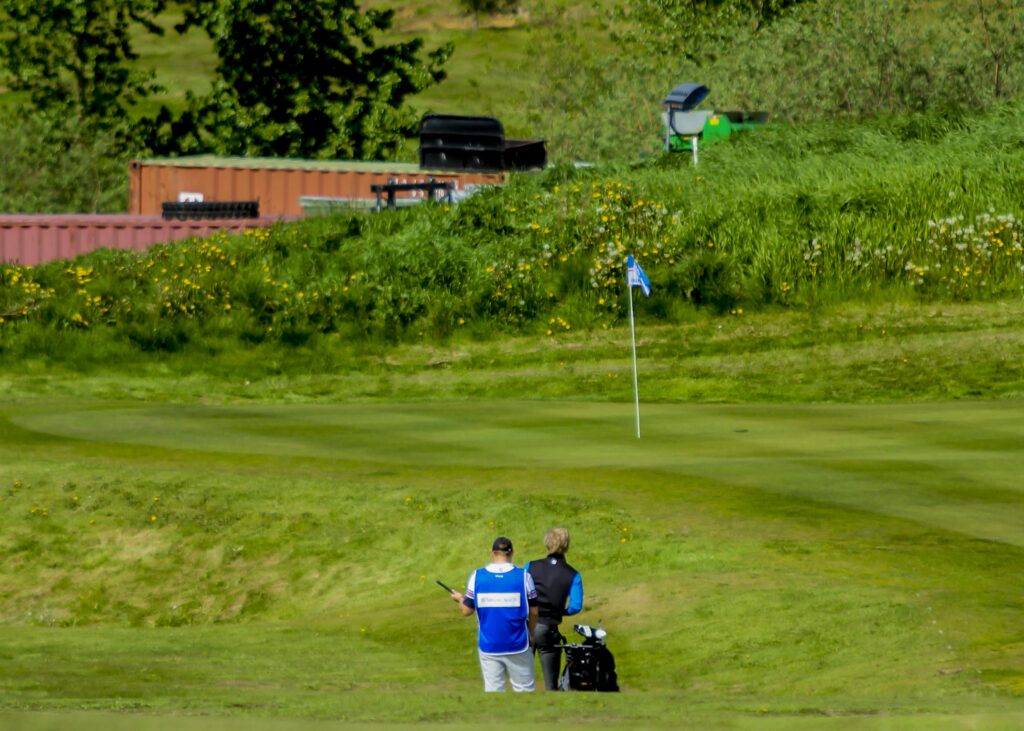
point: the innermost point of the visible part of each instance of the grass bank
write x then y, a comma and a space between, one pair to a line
913, 210
882, 352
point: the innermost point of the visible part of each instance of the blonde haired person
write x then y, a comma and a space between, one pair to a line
559, 593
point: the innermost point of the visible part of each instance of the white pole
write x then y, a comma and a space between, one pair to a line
632, 332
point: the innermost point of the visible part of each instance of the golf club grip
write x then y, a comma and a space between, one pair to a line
443, 586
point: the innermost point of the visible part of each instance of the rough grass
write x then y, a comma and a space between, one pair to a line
836, 354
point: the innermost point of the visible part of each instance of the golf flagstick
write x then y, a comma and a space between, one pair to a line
635, 277
632, 334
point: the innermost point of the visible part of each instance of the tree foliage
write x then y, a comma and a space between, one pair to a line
75, 56
300, 80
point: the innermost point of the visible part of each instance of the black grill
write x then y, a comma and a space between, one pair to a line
210, 210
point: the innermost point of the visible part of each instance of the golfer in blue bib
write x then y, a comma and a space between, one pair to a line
505, 601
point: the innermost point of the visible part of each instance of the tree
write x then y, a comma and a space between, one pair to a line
488, 7
300, 80
73, 57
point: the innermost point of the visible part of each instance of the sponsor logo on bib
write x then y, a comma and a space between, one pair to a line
496, 599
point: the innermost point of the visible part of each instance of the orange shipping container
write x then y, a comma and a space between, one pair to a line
276, 183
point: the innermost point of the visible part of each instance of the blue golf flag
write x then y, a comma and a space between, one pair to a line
635, 276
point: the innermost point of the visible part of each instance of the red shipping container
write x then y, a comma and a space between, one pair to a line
34, 239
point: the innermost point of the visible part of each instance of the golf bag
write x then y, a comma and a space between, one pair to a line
589, 664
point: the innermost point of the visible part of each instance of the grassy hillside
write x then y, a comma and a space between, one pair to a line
916, 210
554, 69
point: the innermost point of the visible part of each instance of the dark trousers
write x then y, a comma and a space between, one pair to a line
545, 637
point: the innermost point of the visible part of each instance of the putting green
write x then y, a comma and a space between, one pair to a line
954, 466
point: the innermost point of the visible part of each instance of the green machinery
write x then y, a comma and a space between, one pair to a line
685, 126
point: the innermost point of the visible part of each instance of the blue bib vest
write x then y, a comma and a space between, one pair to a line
502, 609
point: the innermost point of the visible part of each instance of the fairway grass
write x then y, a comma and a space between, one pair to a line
756, 565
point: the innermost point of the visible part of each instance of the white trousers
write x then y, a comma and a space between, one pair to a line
518, 666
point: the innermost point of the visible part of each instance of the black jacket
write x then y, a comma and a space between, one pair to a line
553, 577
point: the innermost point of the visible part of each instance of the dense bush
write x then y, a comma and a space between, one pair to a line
55, 164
